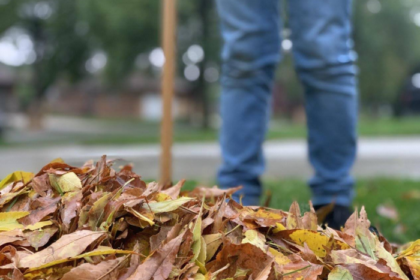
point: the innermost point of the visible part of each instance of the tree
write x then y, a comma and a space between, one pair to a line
388, 44
122, 31
60, 48
201, 21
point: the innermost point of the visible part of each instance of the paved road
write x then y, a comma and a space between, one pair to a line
389, 157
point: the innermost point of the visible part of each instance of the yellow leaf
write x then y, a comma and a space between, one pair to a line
69, 182
199, 276
241, 272
254, 238
197, 246
264, 217
213, 242
10, 196
293, 219
412, 250
340, 273
203, 252
16, 176
57, 160
162, 197
39, 225
315, 240
140, 216
411, 257
365, 242
390, 260
414, 265
279, 227
8, 220
168, 205
279, 258
202, 256
96, 213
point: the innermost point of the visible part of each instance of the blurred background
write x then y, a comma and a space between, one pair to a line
79, 79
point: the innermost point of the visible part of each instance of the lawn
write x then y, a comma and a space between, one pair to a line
279, 129
105, 131
404, 195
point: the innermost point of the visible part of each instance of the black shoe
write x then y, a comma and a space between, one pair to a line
335, 216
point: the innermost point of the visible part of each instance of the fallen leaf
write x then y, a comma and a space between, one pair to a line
159, 265
387, 211
68, 182
242, 256
167, 206
97, 223
255, 238
25, 177
106, 270
213, 242
214, 192
9, 220
316, 241
340, 273
96, 213
71, 202
173, 192
38, 238
67, 246
40, 213
411, 258
8, 237
265, 273
413, 194
100, 251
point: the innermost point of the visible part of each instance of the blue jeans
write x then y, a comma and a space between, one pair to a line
322, 50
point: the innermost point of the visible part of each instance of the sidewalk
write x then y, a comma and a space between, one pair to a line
378, 157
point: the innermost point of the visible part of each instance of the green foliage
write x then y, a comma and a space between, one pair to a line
388, 46
60, 50
386, 40
122, 30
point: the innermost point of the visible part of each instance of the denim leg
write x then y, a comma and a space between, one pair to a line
251, 34
322, 48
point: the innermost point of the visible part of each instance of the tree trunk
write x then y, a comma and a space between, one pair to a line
204, 9
40, 80
36, 113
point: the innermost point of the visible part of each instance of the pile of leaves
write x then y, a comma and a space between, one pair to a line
96, 223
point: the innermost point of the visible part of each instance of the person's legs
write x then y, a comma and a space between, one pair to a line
321, 34
250, 30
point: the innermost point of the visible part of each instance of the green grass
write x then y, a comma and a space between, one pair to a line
371, 127
279, 129
389, 126
370, 193
132, 131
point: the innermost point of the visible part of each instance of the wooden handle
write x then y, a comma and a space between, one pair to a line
168, 84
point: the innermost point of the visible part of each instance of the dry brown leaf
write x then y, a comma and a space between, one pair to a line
106, 270
159, 265
40, 213
68, 246
168, 235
